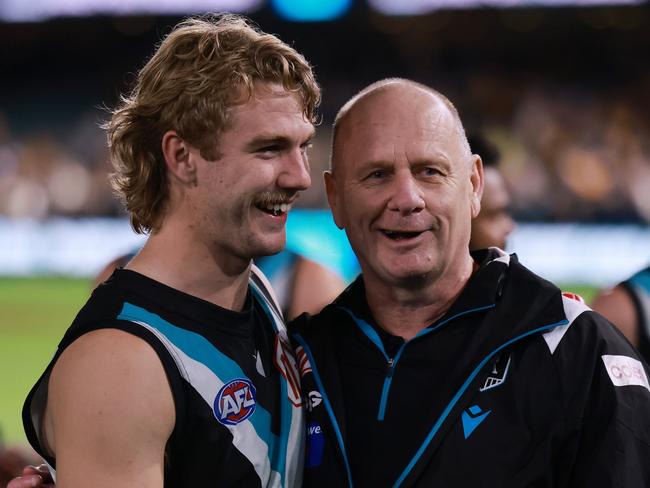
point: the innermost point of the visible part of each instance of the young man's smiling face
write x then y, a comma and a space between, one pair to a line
241, 200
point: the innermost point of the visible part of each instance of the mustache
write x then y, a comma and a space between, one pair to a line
279, 197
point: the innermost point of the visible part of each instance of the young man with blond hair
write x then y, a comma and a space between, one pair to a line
177, 371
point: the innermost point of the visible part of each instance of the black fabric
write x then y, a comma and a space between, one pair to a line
200, 451
542, 413
420, 385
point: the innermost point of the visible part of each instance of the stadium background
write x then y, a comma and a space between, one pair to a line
562, 89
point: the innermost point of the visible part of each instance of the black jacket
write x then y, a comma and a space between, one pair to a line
533, 390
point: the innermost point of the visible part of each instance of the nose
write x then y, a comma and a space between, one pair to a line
295, 171
406, 195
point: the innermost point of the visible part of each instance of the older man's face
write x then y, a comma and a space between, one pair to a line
404, 188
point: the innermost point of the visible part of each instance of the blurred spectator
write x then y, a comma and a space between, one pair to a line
627, 306
493, 224
300, 284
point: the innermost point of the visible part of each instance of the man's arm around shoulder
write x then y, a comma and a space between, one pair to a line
110, 412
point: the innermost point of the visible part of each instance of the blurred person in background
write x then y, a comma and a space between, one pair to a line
627, 305
494, 223
178, 371
300, 284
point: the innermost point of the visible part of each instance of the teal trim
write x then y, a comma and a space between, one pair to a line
328, 405
201, 350
279, 453
449, 319
371, 333
460, 392
384, 398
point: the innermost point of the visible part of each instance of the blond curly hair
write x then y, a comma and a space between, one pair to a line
201, 70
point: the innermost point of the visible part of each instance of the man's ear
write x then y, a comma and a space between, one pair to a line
178, 158
332, 198
476, 180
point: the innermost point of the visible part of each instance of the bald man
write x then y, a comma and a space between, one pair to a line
438, 367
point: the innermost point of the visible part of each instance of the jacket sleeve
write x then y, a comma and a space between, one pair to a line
607, 402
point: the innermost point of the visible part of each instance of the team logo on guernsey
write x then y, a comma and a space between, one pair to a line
286, 363
303, 362
235, 402
573, 296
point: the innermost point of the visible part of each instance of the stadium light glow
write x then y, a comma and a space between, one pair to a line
311, 10
37, 10
420, 7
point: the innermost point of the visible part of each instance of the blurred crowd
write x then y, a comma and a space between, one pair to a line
568, 155
572, 155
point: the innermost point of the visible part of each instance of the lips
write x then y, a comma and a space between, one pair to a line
275, 209
276, 204
399, 235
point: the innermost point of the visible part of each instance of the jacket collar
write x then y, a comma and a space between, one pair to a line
484, 287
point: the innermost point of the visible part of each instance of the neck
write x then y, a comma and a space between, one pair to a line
406, 310
177, 259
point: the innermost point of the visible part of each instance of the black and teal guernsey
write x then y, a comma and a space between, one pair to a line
233, 376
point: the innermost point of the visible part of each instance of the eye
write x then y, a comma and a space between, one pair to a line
429, 171
267, 151
377, 174
304, 148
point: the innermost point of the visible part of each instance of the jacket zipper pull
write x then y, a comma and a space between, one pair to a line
390, 370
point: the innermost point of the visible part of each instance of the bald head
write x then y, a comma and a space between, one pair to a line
397, 99
404, 186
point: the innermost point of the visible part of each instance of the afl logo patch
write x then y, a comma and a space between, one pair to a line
235, 402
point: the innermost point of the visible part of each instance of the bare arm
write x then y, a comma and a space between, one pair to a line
314, 287
110, 412
617, 307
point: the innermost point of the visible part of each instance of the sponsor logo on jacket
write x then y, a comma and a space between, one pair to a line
235, 401
625, 371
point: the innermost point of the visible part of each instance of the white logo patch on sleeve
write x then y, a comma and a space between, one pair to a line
625, 371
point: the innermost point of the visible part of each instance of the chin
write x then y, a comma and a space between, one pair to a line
269, 248
409, 278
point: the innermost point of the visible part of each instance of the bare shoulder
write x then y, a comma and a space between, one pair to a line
616, 305
109, 408
315, 286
